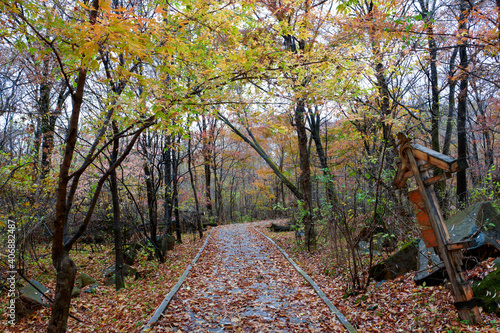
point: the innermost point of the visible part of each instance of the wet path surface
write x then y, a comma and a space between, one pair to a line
243, 284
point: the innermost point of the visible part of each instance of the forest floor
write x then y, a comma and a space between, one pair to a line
388, 306
242, 283
106, 310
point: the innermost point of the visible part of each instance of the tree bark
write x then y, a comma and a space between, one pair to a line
433, 78
462, 103
152, 211
175, 194
452, 83
199, 225
314, 124
305, 174
65, 267
167, 160
66, 273
117, 225
206, 164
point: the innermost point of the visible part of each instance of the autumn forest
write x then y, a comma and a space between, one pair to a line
136, 134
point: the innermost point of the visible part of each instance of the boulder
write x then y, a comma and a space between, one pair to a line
364, 247
401, 262
281, 228
127, 271
90, 289
75, 292
84, 280
189, 220
480, 224
110, 280
487, 292
30, 299
167, 242
480, 221
430, 268
130, 253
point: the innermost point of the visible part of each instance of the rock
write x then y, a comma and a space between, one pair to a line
167, 242
30, 299
487, 292
401, 262
299, 235
480, 220
189, 220
110, 280
280, 228
90, 289
109, 273
382, 241
364, 247
430, 268
130, 253
127, 271
368, 231
75, 292
84, 280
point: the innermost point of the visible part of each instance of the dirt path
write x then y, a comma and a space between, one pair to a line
243, 284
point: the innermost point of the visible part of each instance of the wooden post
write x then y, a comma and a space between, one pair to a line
450, 254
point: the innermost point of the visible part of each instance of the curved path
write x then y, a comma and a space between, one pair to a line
242, 283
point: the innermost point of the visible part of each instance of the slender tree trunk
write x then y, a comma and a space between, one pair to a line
152, 205
167, 160
44, 111
219, 204
199, 226
48, 130
462, 104
175, 194
117, 225
66, 273
206, 165
314, 122
435, 111
255, 145
452, 83
305, 176
475, 173
65, 267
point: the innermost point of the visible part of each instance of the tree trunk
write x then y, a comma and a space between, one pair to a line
48, 130
44, 130
315, 123
199, 225
255, 145
462, 104
175, 194
167, 160
206, 165
305, 175
452, 82
152, 204
219, 204
435, 111
66, 273
65, 268
117, 225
